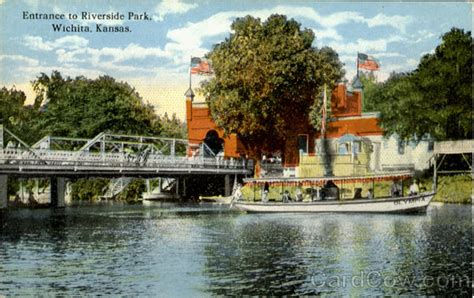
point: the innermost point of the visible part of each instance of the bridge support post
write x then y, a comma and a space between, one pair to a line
184, 187
227, 188
68, 192
435, 174
177, 186
3, 192
58, 192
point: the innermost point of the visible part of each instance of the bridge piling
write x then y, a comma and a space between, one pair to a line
58, 192
227, 188
3, 191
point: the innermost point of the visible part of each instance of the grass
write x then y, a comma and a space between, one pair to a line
454, 189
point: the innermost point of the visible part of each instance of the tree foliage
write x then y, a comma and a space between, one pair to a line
268, 76
371, 87
434, 100
82, 107
172, 127
15, 116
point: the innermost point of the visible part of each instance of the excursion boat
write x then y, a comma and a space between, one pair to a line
331, 202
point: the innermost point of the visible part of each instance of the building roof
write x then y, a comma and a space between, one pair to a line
189, 93
357, 84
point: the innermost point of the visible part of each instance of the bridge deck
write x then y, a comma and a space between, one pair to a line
20, 162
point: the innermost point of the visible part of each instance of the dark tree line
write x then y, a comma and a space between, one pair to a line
435, 99
82, 107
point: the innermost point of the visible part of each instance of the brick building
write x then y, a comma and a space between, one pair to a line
355, 139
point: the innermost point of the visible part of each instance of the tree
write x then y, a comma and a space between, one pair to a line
15, 116
172, 127
371, 87
399, 103
434, 100
268, 76
82, 107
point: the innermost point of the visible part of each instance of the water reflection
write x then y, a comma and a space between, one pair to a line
189, 250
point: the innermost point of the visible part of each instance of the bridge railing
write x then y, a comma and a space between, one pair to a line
120, 160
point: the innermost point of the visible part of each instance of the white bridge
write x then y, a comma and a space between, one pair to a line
108, 155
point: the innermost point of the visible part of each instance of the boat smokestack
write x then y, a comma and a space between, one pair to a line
326, 157
325, 150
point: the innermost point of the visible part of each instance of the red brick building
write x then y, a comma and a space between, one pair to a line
345, 118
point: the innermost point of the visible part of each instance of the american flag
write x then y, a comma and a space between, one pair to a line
367, 62
200, 66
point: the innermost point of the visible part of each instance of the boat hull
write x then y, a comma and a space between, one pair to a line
410, 204
216, 200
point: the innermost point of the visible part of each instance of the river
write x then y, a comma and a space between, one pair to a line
191, 250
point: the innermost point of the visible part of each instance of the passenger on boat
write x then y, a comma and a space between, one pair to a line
395, 189
330, 191
299, 195
266, 190
370, 194
414, 190
286, 197
238, 192
358, 193
315, 193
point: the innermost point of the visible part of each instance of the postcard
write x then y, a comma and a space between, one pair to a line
206, 148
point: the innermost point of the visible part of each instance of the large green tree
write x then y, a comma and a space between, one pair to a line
82, 107
268, 76
434, 100
16, 116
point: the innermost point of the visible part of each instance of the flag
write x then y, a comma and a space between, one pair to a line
367, 62
200, 66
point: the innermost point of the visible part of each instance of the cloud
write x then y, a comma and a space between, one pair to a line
67, 42
327, 33
387, 55
15, 62
66, 70
168, 7
420, 36
19, 59
364, 45
396, 21
189, 39
110, 58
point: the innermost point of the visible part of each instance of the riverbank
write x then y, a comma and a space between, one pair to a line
454, 189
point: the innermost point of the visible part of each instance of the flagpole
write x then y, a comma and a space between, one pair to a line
357, 64
190, 58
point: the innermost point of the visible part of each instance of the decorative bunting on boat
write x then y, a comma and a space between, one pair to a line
321, 181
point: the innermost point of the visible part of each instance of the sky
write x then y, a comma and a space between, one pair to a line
154, 55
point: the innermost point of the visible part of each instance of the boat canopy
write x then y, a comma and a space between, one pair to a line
352, 138
321, 181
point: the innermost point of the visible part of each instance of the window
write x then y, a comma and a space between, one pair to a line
430, 146
303, 143
401, 147
356, 147
344, 148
